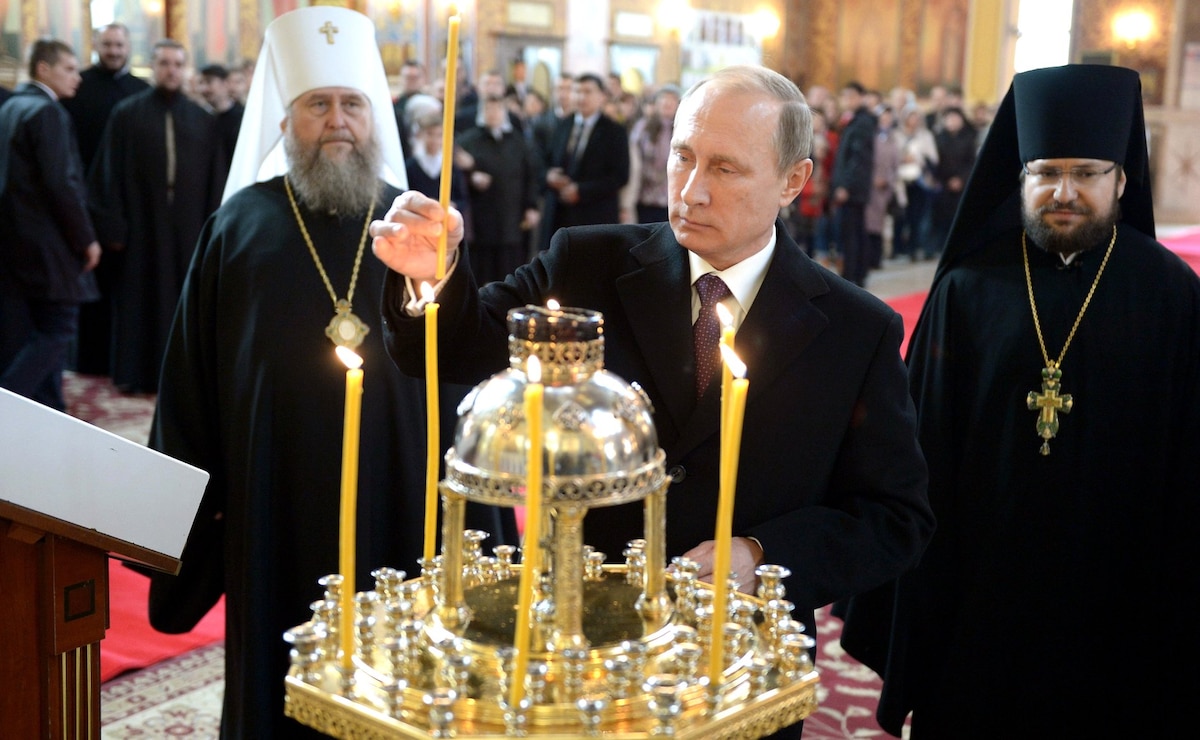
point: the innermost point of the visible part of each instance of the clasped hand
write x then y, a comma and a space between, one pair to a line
406, 240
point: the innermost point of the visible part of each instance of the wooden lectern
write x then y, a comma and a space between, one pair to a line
71, 495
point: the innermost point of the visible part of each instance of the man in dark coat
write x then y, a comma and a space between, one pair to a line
504, 186
1056, 372
588, 163
412, 82
104, 85
157, 176
853, 166
831, 483
50, 247
214, 88
253, 392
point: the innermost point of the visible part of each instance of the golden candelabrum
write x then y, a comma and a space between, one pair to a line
616, 650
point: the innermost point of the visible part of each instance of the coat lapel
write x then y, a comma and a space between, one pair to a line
780, 325
657, 298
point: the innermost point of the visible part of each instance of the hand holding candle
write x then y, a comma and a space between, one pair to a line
349, 501
530, 552
733, 411
448, 136
433, 420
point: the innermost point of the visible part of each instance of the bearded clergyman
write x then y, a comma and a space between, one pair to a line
1056, 375
252, 390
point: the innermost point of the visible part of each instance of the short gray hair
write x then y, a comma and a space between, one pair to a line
794, 134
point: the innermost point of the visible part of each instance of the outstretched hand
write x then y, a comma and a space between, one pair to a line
745, 557
406, 239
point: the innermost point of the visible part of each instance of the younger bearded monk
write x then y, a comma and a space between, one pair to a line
1056, 373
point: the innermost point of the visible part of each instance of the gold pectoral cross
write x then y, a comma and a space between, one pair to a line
1048, 404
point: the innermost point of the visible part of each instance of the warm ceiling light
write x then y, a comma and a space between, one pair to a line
674, 16
1132, 27
764, 24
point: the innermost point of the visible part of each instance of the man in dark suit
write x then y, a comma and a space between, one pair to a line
50, 245
853, 166
588, 163
832, 483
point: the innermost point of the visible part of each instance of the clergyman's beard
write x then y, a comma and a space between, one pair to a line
326, 186
1095, 229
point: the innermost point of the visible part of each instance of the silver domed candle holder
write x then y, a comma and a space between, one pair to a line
617, 650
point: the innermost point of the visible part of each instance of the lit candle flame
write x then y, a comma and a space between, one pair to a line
533, 369
553, 305
736, 366
349, 357
724, 316
426, 291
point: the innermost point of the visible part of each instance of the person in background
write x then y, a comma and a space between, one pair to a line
239, 80
103, 85
50, 247
588, 164
491, 85
857, 517
252, 390
1052, 601
918, 158
214, 89
518, 85
644, 198
884, 162
805, 216
424, 165
851, 181
503, 186
956, 156
412, 82
158, 175
539, 126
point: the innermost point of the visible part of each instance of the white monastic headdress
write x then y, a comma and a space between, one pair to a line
318, 46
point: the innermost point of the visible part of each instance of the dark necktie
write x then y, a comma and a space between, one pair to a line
573, 144
706, 332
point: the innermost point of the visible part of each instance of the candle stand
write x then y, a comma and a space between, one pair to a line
619, 650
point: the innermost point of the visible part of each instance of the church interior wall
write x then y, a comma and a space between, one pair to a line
881, 43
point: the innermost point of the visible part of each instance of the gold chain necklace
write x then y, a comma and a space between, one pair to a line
1050, 401
345, 329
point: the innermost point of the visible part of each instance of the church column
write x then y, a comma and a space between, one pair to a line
987, 21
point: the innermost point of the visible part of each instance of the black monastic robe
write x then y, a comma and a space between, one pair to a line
1053, 598
155, 224
253, 392
99, 92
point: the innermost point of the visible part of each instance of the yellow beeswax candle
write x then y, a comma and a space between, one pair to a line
448, 137
530, 553
733, 412
349, 500
433, 422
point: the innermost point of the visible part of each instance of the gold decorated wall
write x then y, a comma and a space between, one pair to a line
881, 43
1095, 39
912, 43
